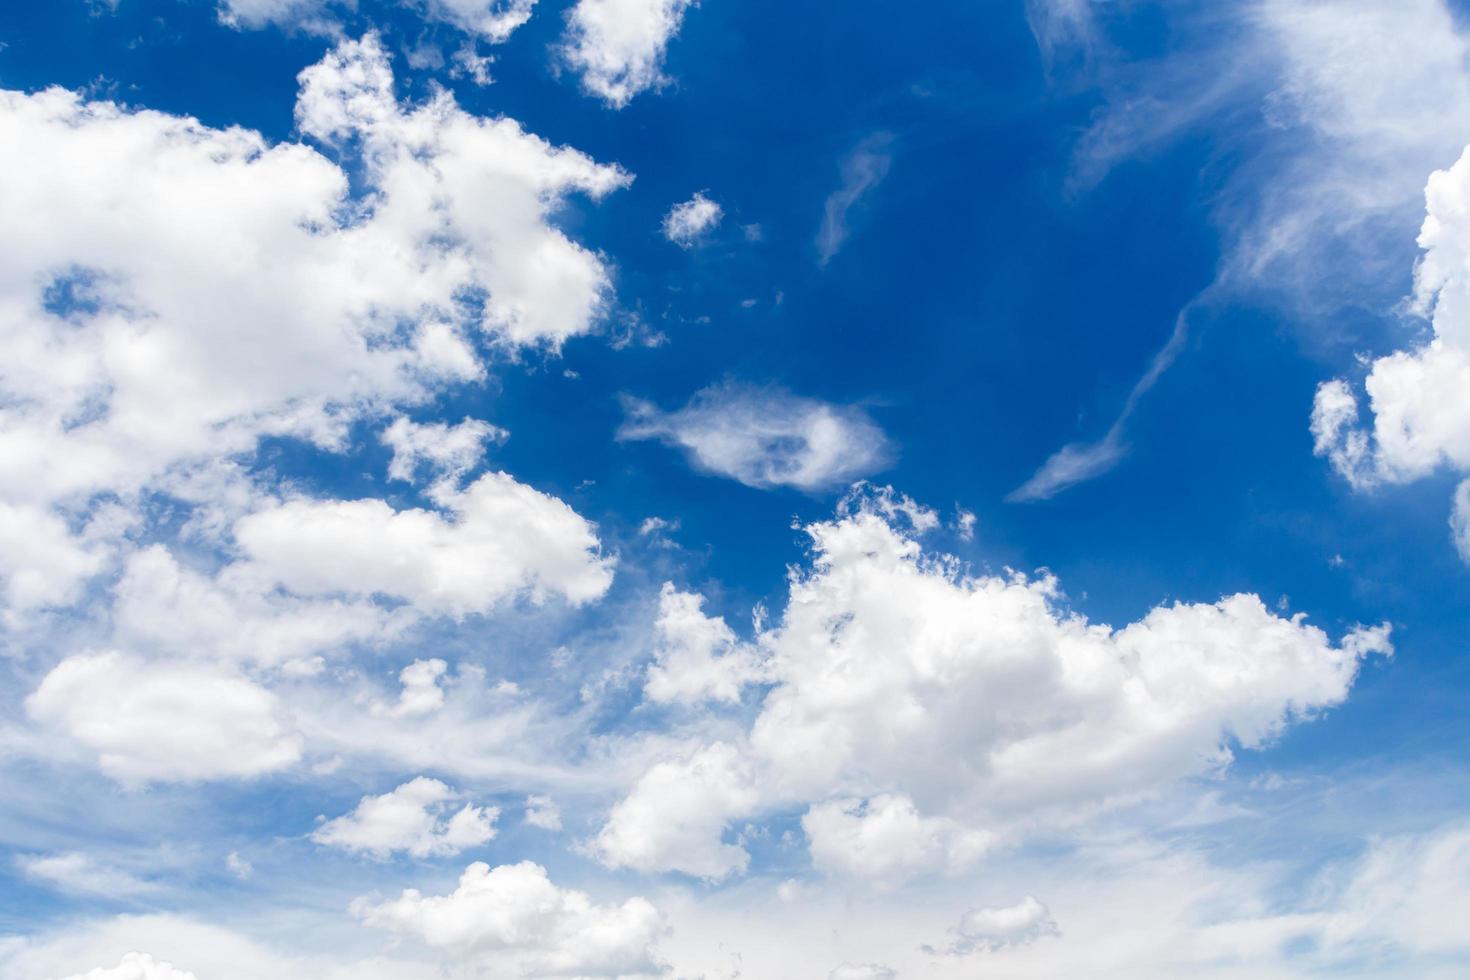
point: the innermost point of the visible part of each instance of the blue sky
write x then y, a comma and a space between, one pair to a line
627, 488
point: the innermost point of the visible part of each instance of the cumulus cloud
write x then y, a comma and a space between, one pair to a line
886, 840
862, 170
676, 814
697, 657
1420, 397
444, 450
618, 46
766, 437
686, 223
206, 289
418, 819
499, 539
514, 919
136, 966
165, 721
422, 693
990, 929
970, 703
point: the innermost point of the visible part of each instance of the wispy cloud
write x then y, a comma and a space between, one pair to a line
862, 170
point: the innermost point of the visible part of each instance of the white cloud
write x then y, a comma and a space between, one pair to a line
422, 693
418, 818
446, 450
862, 170
618, 46
862, 971
977, 700
766, 438
204, 289
490, 20
499, 539
164, 608
1358, 101
885, 840
165, 721
686, 223
1420, 398
83, 874
991, 929
515, 920
697, 657
136, 966
542, 812
42, 564
676, 814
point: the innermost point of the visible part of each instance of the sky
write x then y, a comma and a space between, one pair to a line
709, 490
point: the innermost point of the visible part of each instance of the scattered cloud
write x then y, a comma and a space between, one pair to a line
862, 170
618, 46
686, 223
766, 437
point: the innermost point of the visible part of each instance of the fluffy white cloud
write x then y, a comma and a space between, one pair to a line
415, 818
618, 46
445, 450
136, 966
766, 438
41, 562
675, 816
499, 539
514, 919
886, 840
697, 657
165, 721
203, 289
421, 694
991, 929
687, 222
1420, 398
977, 700
492, 20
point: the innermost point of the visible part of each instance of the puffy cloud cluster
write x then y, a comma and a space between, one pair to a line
687, 222
766, 438
618, 46
205, 289
918, 709
515, 920
1419, 398
440, 448
415, 819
